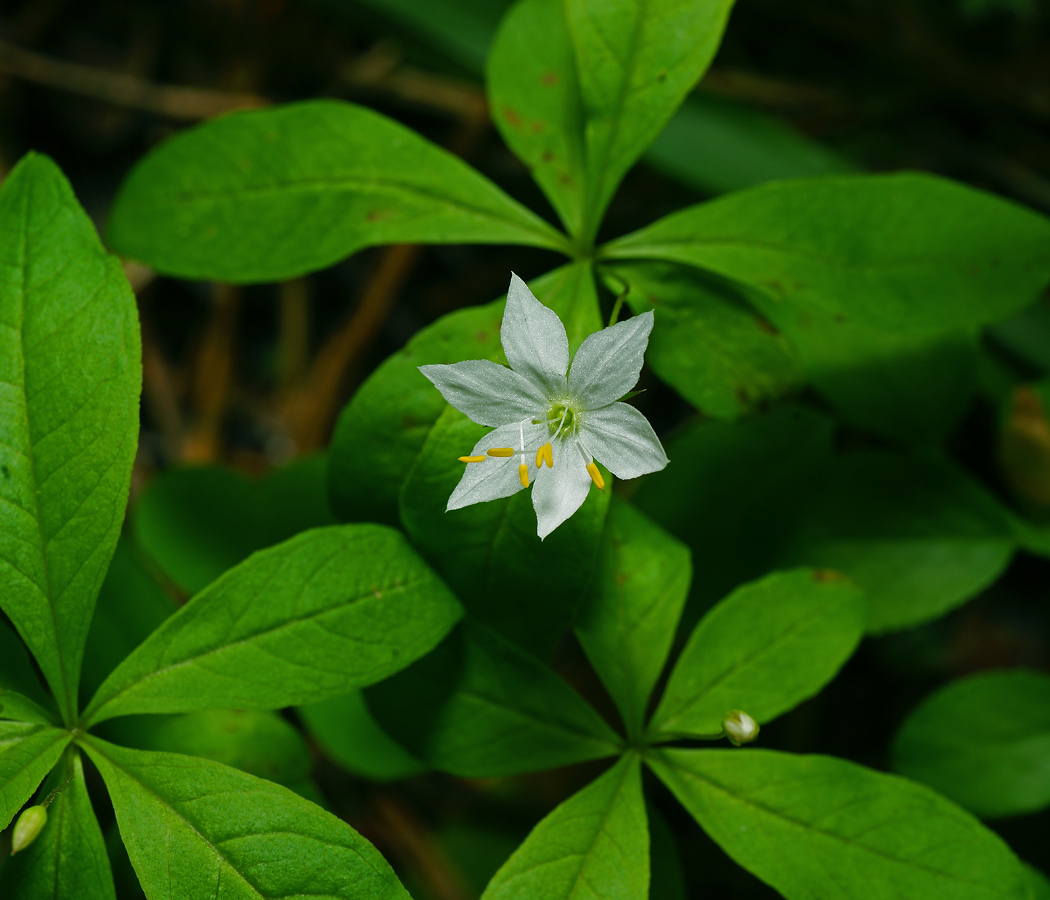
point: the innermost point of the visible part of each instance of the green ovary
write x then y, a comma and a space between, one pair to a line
554, 420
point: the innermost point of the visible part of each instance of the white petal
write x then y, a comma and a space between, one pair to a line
489, 394
560, 491
622, 440
534, 338
497, 476
608, 363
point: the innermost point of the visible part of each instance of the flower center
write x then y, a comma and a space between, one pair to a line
562, 420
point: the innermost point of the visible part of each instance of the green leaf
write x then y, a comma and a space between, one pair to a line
764, 649
580, 89
534, 94
1038, 884
918, 535
382, 430
735, 498
489, 553
716, 146
983, 741
816, 826
349, 735
912, 390
198, 829
480, 707
70, 374
711, 347
637, 60
131, 605
319, 615
21, 696
594, 846
197, 522
27, 754
907, 254
630, 611
68, 859
258, 742
267, 195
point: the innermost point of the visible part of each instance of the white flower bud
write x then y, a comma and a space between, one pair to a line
28, 826
739, 727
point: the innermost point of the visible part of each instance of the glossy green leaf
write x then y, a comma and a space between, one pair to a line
349, 735
1038, 884
197, 522
764, 649
709, 345
69, 384
489, 553
735, 500
27, 754
131, 605
478, 707
820, 827
196, 829
267, 195
907, 254
594, 846
319, 615
630, 611
983, 741
918, 535
68, 860
21, 696
382, 430
579, 89
716, 145
259, 742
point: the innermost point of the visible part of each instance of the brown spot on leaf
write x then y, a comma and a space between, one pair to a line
565, 178
743, 396
765, 326
512, 116
549, 78
840, 317
538, 128
548, 156
482, 336
408, 422
377, 215
827, 575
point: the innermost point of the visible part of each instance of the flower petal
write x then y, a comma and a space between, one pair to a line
622, 440
561, 490
489, 394
608, 362
497, 476
534, 338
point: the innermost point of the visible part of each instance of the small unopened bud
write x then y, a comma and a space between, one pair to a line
739, 727
28, 826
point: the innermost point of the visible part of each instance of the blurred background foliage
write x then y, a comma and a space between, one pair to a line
243, 381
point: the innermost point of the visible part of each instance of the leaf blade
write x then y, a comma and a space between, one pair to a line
27, 754
782, 817
594, 845
69, 382
319, 615
272, 194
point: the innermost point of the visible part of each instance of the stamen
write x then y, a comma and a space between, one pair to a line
501, 451
469, 459
523, 474
596, 476
561, 424
545, 454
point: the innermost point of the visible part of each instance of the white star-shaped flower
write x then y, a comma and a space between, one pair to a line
551, 422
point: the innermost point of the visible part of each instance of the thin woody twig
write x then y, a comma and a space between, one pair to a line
121, 89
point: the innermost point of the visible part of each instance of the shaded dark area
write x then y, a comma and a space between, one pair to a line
255, 376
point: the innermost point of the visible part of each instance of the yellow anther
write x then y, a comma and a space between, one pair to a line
596, 476
501, 451
545, 454
472, 459
523, 474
